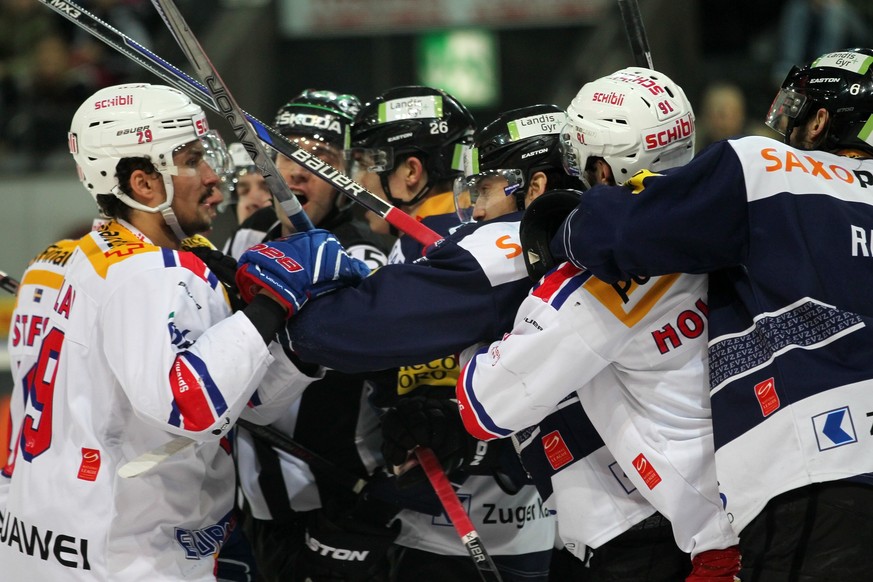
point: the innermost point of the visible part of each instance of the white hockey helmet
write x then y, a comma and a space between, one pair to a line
138, 120
634, 119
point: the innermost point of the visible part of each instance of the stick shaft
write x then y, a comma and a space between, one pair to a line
460, 520
231, 111
281, 441
8, 284
177, 78
636, 33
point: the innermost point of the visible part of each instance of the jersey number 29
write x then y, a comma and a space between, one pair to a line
39, 388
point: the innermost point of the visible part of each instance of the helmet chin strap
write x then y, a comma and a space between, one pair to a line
383, 178
165, 208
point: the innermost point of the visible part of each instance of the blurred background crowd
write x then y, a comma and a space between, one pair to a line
728, 55
493, 55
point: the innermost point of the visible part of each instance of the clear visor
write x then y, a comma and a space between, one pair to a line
375, 160
784, 111
484, 188
208, 148
569, 157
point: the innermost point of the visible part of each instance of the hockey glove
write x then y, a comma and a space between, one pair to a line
344, 550
298, 267
716, 566
435, 423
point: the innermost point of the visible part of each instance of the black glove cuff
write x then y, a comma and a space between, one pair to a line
266, 315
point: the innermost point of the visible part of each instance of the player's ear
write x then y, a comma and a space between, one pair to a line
538, 184
818, 124
602, 172
413, 170
146, 188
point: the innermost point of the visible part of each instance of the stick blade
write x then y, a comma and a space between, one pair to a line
148, 461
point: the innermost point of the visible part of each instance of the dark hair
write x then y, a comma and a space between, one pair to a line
112, 206
558, 179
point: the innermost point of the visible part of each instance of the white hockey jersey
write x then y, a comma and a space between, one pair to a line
635, 355
36, 295
139, 348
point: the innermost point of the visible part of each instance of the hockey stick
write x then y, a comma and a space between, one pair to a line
231, 111
344, 479
339, 476
9, 284
460, 520
636, 33
182, 81
151, 459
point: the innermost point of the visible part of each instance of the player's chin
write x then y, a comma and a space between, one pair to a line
201, 224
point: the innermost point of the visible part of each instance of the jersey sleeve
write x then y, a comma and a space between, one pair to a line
181, 361
282, 384
463, 292
692, 219
515, 382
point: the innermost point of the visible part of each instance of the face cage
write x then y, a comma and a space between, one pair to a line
785, 110
468, 189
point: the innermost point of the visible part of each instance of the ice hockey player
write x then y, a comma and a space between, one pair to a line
783, 229
642, 388
140, 347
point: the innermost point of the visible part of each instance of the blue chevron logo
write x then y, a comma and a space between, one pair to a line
834, 428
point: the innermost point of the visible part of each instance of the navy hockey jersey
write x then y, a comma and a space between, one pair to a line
476, 275
787, 236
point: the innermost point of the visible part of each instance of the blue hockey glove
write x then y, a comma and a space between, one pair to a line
298, 267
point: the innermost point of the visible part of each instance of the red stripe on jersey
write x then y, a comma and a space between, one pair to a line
555, 280
189, 396
193, 263
468, 415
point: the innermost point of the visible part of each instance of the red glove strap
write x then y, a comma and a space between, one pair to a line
249, 286
716, 566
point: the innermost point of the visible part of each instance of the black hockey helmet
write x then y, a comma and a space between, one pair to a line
514, 146
318, 114
412, 120
840, 82
539, 224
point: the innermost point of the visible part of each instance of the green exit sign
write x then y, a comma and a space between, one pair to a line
463, 63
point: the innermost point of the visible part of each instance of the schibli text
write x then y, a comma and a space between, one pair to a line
664, 136
646, 83
611, 98
116, 101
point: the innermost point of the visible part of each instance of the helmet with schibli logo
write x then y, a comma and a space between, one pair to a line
139, 120
840, 82
132, 120
634, 119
